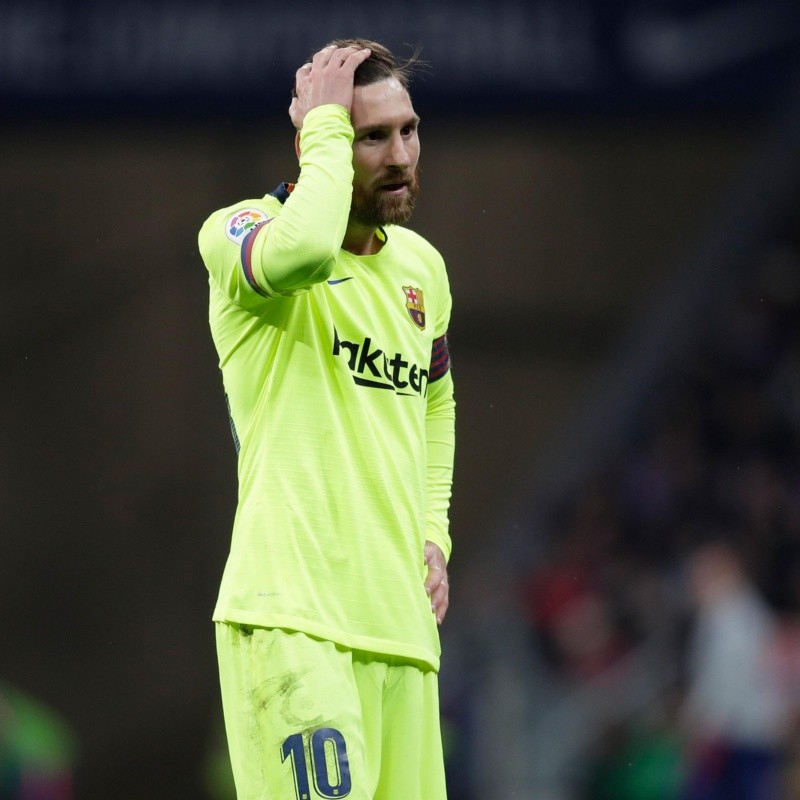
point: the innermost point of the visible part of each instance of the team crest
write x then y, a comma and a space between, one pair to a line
415, 305
242, 222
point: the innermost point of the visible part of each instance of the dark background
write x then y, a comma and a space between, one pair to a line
574, 155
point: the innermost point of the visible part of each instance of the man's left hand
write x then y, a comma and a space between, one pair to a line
436, 583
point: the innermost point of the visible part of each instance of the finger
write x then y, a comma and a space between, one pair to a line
439, 590
341, 53
434, 577
358, 57
351, 58
322, 57
301, 79
441, 602
294, 113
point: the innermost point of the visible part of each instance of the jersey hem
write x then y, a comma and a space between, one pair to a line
350, 641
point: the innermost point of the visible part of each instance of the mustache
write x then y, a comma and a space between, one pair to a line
409, 177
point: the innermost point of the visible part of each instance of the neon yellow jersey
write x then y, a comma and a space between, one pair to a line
337, 377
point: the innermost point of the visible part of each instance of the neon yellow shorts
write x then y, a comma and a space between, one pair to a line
307, 719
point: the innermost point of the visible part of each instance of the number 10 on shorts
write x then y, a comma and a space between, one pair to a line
325, 759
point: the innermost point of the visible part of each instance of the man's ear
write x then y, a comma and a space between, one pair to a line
297, 143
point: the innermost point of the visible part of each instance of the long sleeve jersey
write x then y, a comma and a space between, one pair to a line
337, 375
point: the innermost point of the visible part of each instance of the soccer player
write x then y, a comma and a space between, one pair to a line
330, 320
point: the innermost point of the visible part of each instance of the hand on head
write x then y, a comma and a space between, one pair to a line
328, 78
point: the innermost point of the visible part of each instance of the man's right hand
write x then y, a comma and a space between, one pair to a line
327, 79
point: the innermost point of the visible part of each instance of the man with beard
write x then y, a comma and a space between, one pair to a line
330, 322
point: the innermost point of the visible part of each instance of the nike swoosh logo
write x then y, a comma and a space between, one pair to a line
675, 49
339, 280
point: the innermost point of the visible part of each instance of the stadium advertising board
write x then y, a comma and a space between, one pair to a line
206, 56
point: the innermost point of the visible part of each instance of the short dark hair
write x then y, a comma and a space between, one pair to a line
381, 65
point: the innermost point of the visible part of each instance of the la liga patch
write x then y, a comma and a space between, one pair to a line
242, 222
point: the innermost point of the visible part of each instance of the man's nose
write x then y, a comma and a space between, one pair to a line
398, 152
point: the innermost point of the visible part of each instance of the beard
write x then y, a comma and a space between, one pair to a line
374, 207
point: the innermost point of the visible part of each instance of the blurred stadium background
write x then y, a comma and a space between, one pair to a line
615, 187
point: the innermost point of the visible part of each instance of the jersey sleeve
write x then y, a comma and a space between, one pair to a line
260, 249
440, 430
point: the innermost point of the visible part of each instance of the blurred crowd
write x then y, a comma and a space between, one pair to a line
691, 533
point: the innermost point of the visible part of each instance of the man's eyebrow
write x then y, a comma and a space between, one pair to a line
412, 120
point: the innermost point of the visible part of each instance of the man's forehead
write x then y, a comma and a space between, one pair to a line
381, 103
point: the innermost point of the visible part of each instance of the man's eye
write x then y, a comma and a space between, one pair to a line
375, 135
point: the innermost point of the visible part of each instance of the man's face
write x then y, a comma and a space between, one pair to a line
385, 154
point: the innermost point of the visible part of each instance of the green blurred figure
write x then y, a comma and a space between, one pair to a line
36, 750
637, 764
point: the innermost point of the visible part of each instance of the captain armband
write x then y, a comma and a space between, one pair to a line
440, 359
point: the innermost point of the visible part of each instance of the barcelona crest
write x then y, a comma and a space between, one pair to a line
415, 305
